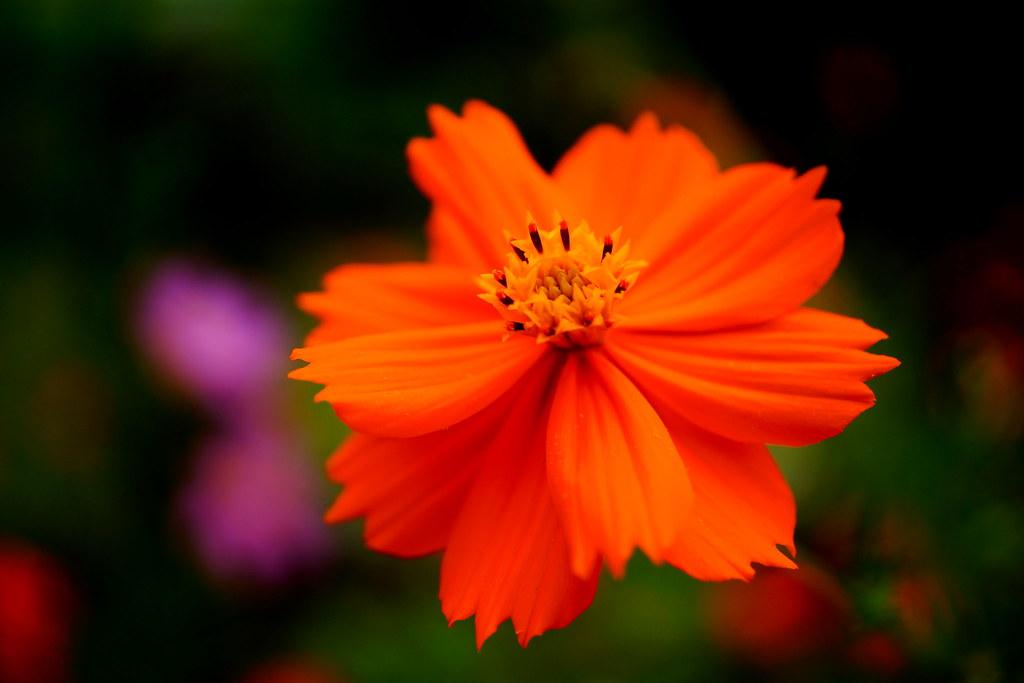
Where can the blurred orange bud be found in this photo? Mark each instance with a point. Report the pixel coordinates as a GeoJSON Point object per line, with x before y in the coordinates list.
{"type": "Point", "coordinates": [779, 617]}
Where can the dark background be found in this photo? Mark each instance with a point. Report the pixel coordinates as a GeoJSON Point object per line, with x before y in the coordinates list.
{"type": "Point", "coordinates": [268, 138]}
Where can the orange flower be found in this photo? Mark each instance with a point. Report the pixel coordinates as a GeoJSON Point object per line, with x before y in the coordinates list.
{"type": "Point", "coordinates": [608, 384]}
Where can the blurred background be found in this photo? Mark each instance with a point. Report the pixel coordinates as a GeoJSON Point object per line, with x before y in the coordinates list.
{"type": "Point", "coordinates": [173, 172]}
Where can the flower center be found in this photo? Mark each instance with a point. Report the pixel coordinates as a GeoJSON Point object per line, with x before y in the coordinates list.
{"type": "Point", "coordinates": [561, 285]}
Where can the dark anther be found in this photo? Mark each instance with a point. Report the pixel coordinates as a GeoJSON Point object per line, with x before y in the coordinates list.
{"type": "Point", "coordinates": [622, 287]}
{"type": "Point", "coordinates": [563, 230]}
{"type": "Point", "coordinates": [505, 299]}
{"type": "Point", "coordinates": [520, 253]}
{"type": "Point", "coordinates": [535, 238]}
{"type": "Point", "coordinates": [514, 326]}
{"type": "Point", "coordinates": [499, 277]}
{"type": "Point", "coordinates": [607, 246]}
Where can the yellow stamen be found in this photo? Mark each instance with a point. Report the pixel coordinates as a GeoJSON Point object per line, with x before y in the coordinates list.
{"type": "Point", "coordinates": [561, 285]}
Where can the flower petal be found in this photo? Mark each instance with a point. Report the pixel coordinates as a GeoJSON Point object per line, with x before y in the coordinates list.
{"type": "Point", "coordinates": [627, 179]}
{"type": "Point", "coordinates": [482, 181]}
{"type": "Point", "coordinates": [793, 381]}
{"type": "Point", "coordinates": [757, 245]}
{"type": "Point", "coordinates": [410, 490]}
{"type": "Point", "coordinates": [404, 384]}
{"type": "Point", "coordinates": [507, 556]}
{"type": "Point", "coordinates": [616, 476]}
{"type": "Point", "coordinates": [451, 241]}
{"type": "Point", "coordinates": [742, 510]}
{"type": "Point", "coordinates": [363, 299]}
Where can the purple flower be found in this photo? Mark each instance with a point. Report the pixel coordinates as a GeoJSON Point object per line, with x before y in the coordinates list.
{"type": "Point", "coordinates": [252, 508]}
{"type": "Point", "coordinates": [212, 335]}
{"type": "Point", "coordinates": [251, 502]}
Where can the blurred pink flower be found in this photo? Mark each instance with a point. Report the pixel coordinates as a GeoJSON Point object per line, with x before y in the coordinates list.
{"type": "Point", "coordinates": [36, 605]}
{"type": "Point", "coordinates": [251, 502]}
{"type": "Point", "coordinates": [211, 334]}
{"type": "Point", "coordinates": [251, 508]}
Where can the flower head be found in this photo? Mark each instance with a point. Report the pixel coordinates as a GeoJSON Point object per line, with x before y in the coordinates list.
{"type": "Point", "coordinates": [561, 285]}
{"type": "Point", "coordinates": [642, 335]}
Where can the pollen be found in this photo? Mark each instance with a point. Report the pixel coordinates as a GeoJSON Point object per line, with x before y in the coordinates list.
{"type": "Point", "coordinates": [561, 285]}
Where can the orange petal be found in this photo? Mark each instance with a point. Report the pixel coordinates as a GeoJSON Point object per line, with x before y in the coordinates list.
{"type": "Point", "coordinates": [507, 555]}
{"type": "Point", "coordinates": [404, 384]}
{"type": "Point", "coordinates": [409, 490]}
{"type": "Point", "coordinates": [794, 381]}
{"type": "Point", "coordinates": [742, 507]}
{"type": "Point", "coordinates": [628, 179]}
{"type": "Point", "coordinates": [757, 245]}
{"type": "Point", "coordinates": [482, 181]}
{"type": "Point", "coordinates": [363, 299]}
{"type": "Point", "coordinates": [450, 241]}
{"type": "Point", "coordinates": [617, 478]}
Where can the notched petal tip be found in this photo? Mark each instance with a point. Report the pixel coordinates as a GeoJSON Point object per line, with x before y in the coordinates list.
{"type": "Point", "coordinates": [302, 374]}
{"type": "Point", "coordinates": [439, 115]}
{"type": "Point", "coordinates": [617, 566]}
{"type": "Point", "coordinates": [646, 121]}
{"type": "Point", "coordinates": [884, 364]}
{"type": "Point", "coordinates": [482, 631]}
{"type": "Point", "coordinates": [815, 177]}
{"type": "Point", "coordinates": [830, 207]}
{"type": "Point", "coordinates": [525, 636]}
{"type": "Point", "coordinates": [751, 571]}
{"type": "Point", "coordinates": [335, 514]}
{"type": "Point", "coordinates": [866, 335]}
{"type": "Point", "coordinates": [416, 147]}
{"type": "Point", "coordinates": [781, 561]}
{"type": "Point", "coordinates": [482, 638]}
{"type": "Point", "coordinates": [477, 107]}
{"type": "Point", "coordinates": [307, 300]}
{"type": "Point", "coordinates": [787, 550]}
